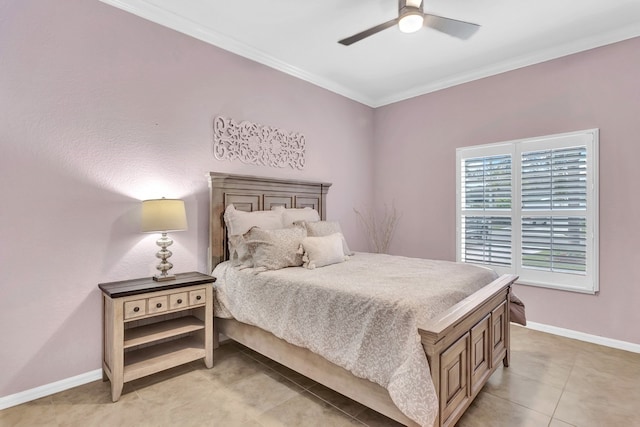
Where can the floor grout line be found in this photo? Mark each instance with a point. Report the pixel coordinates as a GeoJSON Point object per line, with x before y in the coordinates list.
{"type": "Point", "coordinates": [86, 405]}
{"type": "Point", "coordinates": [564, 387]}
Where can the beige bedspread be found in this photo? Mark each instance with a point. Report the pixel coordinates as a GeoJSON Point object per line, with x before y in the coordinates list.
{"type": "Point", "coordinates": [362, 315]}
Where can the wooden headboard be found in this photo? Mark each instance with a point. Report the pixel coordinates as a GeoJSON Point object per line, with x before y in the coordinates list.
{"type": "Point", "coordinates": [252, 193]}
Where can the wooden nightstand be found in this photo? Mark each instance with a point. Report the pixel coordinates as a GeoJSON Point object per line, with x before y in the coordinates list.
{"type": "Point", "coordinates": [151, 326]}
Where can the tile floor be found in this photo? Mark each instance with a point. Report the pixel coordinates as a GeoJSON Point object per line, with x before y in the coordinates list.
{"type": "Point", "coordinates": [552, 381]}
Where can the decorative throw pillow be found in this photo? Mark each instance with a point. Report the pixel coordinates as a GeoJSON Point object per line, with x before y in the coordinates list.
{"type": "Point", "coordinates": [275, 249]}
{"type": "Point", "coordinates": [323, 250]}
{"type": "Point", "coordinates": [292, 215]}
{"type": "Point", "coordinates": [240, 222]}
{"type": "Point", "coordinates": [239, 253]}
{"type": "Point", "coordinates": [325, 228]}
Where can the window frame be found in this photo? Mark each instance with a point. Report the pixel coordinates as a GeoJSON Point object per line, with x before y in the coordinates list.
{"type": "Point", "coordinates": [583, 283]}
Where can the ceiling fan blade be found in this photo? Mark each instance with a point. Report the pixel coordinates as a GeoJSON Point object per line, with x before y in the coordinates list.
{"type": "Point", "coordinates": [453, 27]}
{"type": "Point", "coordinates": [366, 33]}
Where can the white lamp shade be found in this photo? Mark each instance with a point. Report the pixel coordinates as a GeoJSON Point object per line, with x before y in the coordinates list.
{"type": "Point", "coordinates": [163, 215]}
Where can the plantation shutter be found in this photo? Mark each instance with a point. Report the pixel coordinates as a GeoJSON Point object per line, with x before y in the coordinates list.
{"type": "Point", "coordinates": [554, 183]}
{"type": "Point", "coordinates": [530, 207]}
{"type": "Point", "coordinates": [486, 195]}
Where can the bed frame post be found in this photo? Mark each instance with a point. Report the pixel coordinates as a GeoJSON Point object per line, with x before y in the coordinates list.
{"type": "Point", "coordinates": [434, 368]}
{"type": "Point", "coordinates": [507, 335]}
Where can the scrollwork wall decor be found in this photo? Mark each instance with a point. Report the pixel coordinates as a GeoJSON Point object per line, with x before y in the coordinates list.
{"type": "Point", "coordinates": [257, 144]}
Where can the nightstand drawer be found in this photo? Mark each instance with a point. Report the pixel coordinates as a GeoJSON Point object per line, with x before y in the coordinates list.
{"type": "Point", "coordinates": [177, 301]}
{"type": "Point", "coordinates": [158, 304]}
{"type": "Point", "coordinates": [197, 297]}
{"type": "Point", "coordinates": [135, 308]}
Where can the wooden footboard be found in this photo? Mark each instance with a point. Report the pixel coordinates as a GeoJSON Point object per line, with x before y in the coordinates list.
{"type": "Point", "coordinates": [463, 346]}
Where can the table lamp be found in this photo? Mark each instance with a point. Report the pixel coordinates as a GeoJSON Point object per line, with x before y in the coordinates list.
{"type": "Point", "coordinates": [163, 215]}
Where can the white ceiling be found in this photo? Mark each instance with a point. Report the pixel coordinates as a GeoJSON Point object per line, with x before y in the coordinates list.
{"type": "Point", "coordinates": [300, 38]}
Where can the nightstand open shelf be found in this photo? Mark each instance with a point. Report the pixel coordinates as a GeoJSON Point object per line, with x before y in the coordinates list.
{"type": "Point", "coordinates": [161, 330]}
{"type": "Point", "coordinates": [152, 326]}
{"type": "Point", "coordinates": [149, 360]}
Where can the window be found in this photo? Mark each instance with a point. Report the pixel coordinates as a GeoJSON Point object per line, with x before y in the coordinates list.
{"type": "Point", "coordinates": [529, 207]}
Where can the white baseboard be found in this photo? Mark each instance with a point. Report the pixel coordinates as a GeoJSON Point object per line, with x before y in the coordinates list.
{"type": "Point", "coordinates": [594, 339]}
{"type": "Point", "coordinates": [48, 389]}
{"type": "Point", "coordinates": [58, 386]}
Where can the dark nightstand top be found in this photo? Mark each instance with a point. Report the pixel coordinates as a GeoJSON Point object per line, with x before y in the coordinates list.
{"type": "Point", "coordinates": [147, 284]}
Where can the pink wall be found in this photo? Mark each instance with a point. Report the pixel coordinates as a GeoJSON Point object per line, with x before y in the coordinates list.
{"type": "Point", "coordinates": [101, 109]}
{"type": "Point", "coordinates": [415, 142]}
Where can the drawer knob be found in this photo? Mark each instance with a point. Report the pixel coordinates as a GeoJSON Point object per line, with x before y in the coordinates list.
{"type": "Point", "coordinates": [136, 309]}
{"type": "Point", "coordinates": [179, 300]}
{"type": "Point", "coordinates": [198, 298]}
{"type": "Point", "coordinates": [158, 305]}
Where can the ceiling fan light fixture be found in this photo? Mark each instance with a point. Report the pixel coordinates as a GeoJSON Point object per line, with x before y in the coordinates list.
{"type": "Point", "coordinates": [411, 22]}
{"type": "Point", "coordinates": [411, 18]}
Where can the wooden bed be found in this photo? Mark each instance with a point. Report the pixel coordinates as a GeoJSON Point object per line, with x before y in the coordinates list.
{"type": "Point", "coordinates": [464, 345]}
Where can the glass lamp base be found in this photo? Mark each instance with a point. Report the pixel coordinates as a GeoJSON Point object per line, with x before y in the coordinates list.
{"type": "Point", "coordinates": [164, 254]}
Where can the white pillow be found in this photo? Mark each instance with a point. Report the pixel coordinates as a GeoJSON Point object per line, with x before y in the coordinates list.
{"type": "Point", "coordinates": [323, 250]}
{"type": "Point", "coordinates": [239, 222]}
{"type": "Point", "coordinates": [325, 228]}
{"type": "Point", "coordinates": [292, 215]}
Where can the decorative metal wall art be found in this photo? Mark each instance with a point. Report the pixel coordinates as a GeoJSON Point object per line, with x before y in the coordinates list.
{"type": "Point", "coordinates": [257, 144]}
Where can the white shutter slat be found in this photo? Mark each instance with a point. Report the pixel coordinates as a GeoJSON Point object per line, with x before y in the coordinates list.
{"type": "Point", "coordinates": [486, 240]}
{"type": "Point", "coordinates": [556, 244]}
{"type": "Point", "coordinates": [487, 183]}
{"type": "Point", "coordinates": [554, 179]}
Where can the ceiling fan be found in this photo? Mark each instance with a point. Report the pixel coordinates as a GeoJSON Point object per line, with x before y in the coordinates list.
{"type": "Point", "coordinates": [411, 17]}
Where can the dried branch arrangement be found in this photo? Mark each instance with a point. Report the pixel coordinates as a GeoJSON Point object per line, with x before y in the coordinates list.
{"type": "Point", "coordinates": [380, 232]}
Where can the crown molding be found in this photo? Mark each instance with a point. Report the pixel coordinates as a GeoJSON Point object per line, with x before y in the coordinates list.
{"type": "Point", "coordinates": [178, 23]}
{"type": "Point", "coordinates": [183, 25]}
{"type": "Point", "coordinates": [534, 58]}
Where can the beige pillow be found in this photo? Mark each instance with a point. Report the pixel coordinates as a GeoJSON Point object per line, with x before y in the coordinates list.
{"type": "Point", "coordinates": [239, 253]}
{"type": "Point", "coordinates": [275, 249]}
{"type": "Point", "coordinates": [325, 228]}
{"type": "Point", "coordinates": [323, 250]}
{"type": "Point", "coordinates": [240, 222]}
